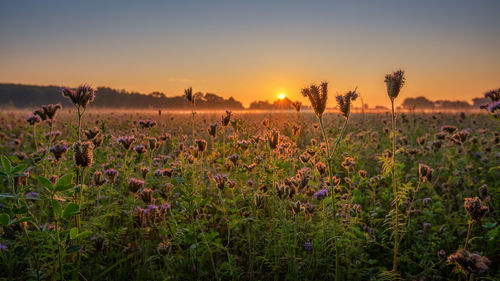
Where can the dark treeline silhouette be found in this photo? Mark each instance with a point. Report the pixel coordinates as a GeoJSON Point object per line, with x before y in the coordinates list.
{"type": "Point", "coordinates": [22, 96]}
{"type": "Point", "coordinates": [29, 96]}
{"type": "Point", "coordinates": [422, 103]}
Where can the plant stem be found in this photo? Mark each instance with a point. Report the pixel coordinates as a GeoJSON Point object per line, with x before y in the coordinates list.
{"type": "Point", "coordinates": [34, 138]}
{"type": "Point", "coordinates": [332, 191]}
{"type": "Point", "coordinates": [79, 123]}
{"type": "Point", "coordinates": [468, 235]}
{"type": "Point", "coordinates": [394, 190]}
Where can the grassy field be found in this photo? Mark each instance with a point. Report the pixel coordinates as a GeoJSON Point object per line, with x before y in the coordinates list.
{"type": "Point", "coordinates": [165, 196]}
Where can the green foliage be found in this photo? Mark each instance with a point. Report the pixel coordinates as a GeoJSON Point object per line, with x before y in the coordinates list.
{"type": "Point", "coordinates": [60, 222]}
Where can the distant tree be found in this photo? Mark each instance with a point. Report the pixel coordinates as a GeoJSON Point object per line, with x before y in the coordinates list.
{"type": "Point", "coordinates": [418, 102]}
{"type": "Point", "coordinates": [157, 95]}
{"type": "Point", "coordinates": [477, 102]}
{"type": "Point", "coordinates": [447, 104]}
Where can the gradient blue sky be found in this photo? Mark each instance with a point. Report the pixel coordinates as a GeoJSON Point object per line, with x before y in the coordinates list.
{"type": "Point", "coordinates": [254, 49]}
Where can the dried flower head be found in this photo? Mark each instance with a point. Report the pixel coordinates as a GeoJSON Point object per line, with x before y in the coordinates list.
{"type": "Point", "coordinates": [201, 145]}
{"type": "Point", "coordinates": [50, 111]}
{"type": "Point", "coordinates": [394, 82]}
{"type": "Point", "coordinates": [98, 179]}
{"type": "Point", "coordinates": [318, 96]}
{"type": "Point", "coordinates": [140, 149]}
{"type": "Point", "coordinates": [475, 208]}
{"type": "Point", "coordinates": [424, 172]}
{"type": "Point", "coordinates": [33, 120]}
{"type": "Point", "coordinates": [344, 102]}
{"type": "Point", "coordinates": [92, 133]}
{"type": "Point", "coordinates": [83, 153]}
{"type": "Point", "coordinates": [188, 93]}
{"type": "Point", "coordinates": [111, 174]}
{"type": "Point", "coordinates": [469, 263]}
{"type": "Point", "coordinates": [83, 95]}
{"type": "Point", "coordinates": [212, 129]}
{"type": "Point", "coordinates": [226, 119]}
{"type": "Point", "coordinates": [126, 141]}
{"type": "Point", "coordinates": [273, 138]}
{"type": "Point", "coordinates": [297, 105]}
{"type": "Point", "coordinates": [135, 185]}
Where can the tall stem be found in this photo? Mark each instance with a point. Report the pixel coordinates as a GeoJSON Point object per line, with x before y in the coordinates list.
{"type": "Point", "coordinates": [394, 190]}
{"type": "Point", "coordinates": [468, 235]}
{"type": "Point", "coordinates": [50, 136]}
{"type": "Point", "coordinates": [79, 123]}
{"type": "Point", "coordinates": [332, 192]}
{"type": "Point", "coordinates": [34, 138]}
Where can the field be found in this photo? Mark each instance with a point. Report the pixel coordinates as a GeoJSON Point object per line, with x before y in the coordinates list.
{"type": "Point", "coordinates": [170, 196]}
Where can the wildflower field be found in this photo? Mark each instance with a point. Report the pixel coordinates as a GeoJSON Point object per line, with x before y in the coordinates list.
{"type": "Point", "coordinates": [299, 195]}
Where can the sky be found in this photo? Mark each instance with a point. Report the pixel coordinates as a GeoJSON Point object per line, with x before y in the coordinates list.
{"type": "Point", "coordinates": [255, 50]}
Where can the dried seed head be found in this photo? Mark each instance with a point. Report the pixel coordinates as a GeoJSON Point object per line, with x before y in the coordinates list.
{"type": "Point", "coordinates": [475, 208]}
{"type": "Point", "coordinates": [140, 149]}
{"type": "Point", "coordinates": [318, 96]}
{"type": "Point", "coordinates": [212, 130]}
{"type": "Point", "coordinates": [146, 195]}
{"type": "Point", "coordinates": [83, 153]}
{"type": "Point", "coordinates": [50, 111]}
{"type": "Point", "coordinates": [469, 263]}
{"type": "Point", "coordinates": [201, 145]}
{"type": "Point", "coordinates": [297, 105]}
{"type": "Point", "coordinates": [33, 120]}
{"type": "Point", "coordinates": [394, 82]}
{"type": "Point", "coordinates": [424, 172]}
{"type": "Point", "coordinates": [111, 174]}
{"type": "Point", "coordinates": [273, 137]}
{"type": "Point", "coordinates": [135, 185]}
{"type": "Point", "coordinates": [98, 179]}
{"type": "Point", "coordinates": [344, 102]}
{"type": "Point", "coordinates": [126, 141]}
{"type": "Point", "coordinates": [226, 119]}
{"type": "Point", "coordinates": [92, 133]}
{"type": "Point", "coordinates": [188, 93]}
{"type": "Point", "coordinates": [321, 167]}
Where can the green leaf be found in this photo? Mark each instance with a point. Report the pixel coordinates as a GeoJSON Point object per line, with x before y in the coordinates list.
{"type": "Point", "coordinates": [56, 207]}
{"type": "Point", "coordinates": [46, 183]}
{"type": "Point", "coordinates": [7, 166]}
{"type": "Point", "coordinates": [64, 183]}
{"type": "Point", "coordinates": [71, 210]}
{"type": "Point", "coordinates": [19, 168]}
{"type": "Point", "coordinates": [73, 232]}
{"type": "Point", "coordinates": [83, 234]}
{"type": "Point", "coordinates": [7, 195]}
{"type": "Point", "coordinates": [4, 219]}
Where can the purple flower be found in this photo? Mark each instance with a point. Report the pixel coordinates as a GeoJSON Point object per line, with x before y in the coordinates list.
{"type": "Point", "coordinates": [308, 246]}
{"type": "Point", "coordinates": [320, 194]}
{"type": "Point", "coordinates": [31, 194]}
{"type": "Point", "coordinates": [3, 247]}
{"type": "Point", "coordinates": [165, 206]}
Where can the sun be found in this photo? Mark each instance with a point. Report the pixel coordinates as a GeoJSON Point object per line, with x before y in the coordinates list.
{"type": "Point", "coordinates": [281, 96]}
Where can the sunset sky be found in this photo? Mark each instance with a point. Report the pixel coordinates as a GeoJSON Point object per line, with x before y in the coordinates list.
{"type": "Point", "coordinates": [254, 50]}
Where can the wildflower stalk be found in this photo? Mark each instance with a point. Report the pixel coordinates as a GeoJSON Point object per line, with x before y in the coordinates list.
{"type": "Point", "coordinates": [34, 138]}
{"type": "Point", "coordinates": [35, 256]}
{"type": "Point", "coordinates": [468, 234]}
{"type": "Point", "coordinates": [332, 191]}
{"type": "Point", "coordinates": [51, 127]}
{"type": "Point", "coordinates": [59, 250]}
{"type": "Point", "coordinates": [394, 190]}
{"type": "Point", "coordinates": [394, 82]}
